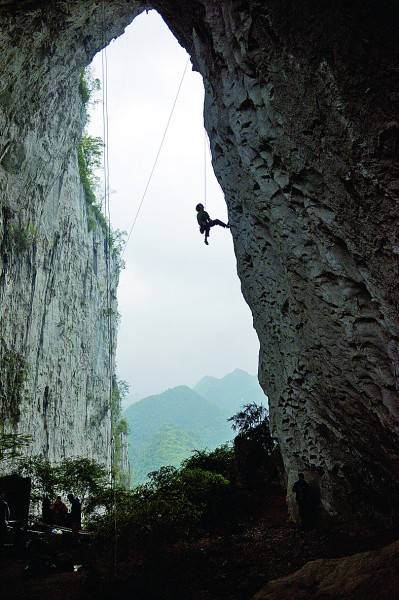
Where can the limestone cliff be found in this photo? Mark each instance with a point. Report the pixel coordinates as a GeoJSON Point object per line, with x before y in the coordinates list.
{"type": "Point", "coordinates": [301, 111]}
{"type": "Point", "coordinates": [54, 350]}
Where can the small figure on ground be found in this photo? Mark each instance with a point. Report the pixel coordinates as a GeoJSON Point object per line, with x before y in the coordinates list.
{"type": "Point", "coordinates": [4, 517]}
{"type": "Point", "coordinates": [47, 513]}
{"type": "Point", "coordinates": [59, 511]}
{"type": "Point", "coordinates": [205, 222]}
{"type": "Point", "coordinates": [304, 500]}
{"type": "Point", "coordinates": [75, 516]}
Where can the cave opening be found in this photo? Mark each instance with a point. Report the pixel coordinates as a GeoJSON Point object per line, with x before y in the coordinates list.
{"type": "Point", "coordinates": [182, 311]}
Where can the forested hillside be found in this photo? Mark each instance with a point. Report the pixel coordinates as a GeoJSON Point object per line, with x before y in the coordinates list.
{"type": "Point", "coordinates": [165, 428]}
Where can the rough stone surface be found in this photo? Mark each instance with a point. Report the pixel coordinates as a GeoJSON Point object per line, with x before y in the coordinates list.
{"type": "Point", "coordinates": [364, 576]}
{"type": "Point", "coordinates": [301, 110]}
{"type": "Point", "coordinates": [54, 354]}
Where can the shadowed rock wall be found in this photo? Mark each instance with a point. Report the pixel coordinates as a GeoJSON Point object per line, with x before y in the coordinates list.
{"type": "Point", "coordinates": [301, 110]}
{"type": "Point", "coordinates": [54, 338]}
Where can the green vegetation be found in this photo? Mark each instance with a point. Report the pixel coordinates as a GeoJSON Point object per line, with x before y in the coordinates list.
{"type": "Point", "coordinates": [168, 446]}
{"type": "Point", "coordinates": [81, 476]}
{"type": "Point", "coordinates": [119, 425]}
{"type": "Point", "coordinates": [165, 428]}
{"type": "Point", "coordinates": [173, 504]}
{"type": "Point", "coordinates": [11, 445]}
{"type": "Point", "coordinates": [88, 85]}
{"type": "Point", "coordinates": [22, 237]}
{"type": "Point", "coordinates": [117, 240]}
{"type": "Point", "coordinates": [229, 393]}
{"type": "Point", "coordinates": [14, 372]}
{"type": "Point", "coordinates": [90, 151]}
{"type": "Point", "coordinates": [220, 460]}
{"type": "Point", "coordinates": [209, 491]}
{"type": "Point", "coordinates": [256, 451]}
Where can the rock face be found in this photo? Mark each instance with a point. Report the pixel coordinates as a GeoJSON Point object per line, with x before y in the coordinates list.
{"type": "Point", "coordinates": [301, 110]}
{"type": "Point", "coordinates": [55, 363]}
{"type": "Point", "coordinates": [362, 576]}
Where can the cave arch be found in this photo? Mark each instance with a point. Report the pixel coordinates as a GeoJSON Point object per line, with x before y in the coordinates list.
{"type": "Point", "coordinates": [305, 147]}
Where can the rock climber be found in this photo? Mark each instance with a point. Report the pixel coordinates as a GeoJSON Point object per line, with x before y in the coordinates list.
{"type": "Point", "coordinates": [205, 222]}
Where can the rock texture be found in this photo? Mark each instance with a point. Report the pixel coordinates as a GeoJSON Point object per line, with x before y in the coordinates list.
{"type": "Point", "coordinates": [301, 110]}
{"type": "Point", "coordinates": [54, 337]}
{"type": "Point", "coordinates": [362, 576]}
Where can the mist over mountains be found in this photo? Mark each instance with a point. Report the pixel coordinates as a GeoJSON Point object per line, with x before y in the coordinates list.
{"type": "Point", "coordinates": [165, 428]}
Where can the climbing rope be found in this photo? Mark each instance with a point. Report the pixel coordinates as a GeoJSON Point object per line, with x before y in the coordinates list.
{"type": "Point", "coordinates": [107, 212]}
{"type": "Point", "coordinates": [156, 157]}
{"type": "Point", "coordinates": [207, 151]}
{"type": "Point", "coordinates": [205, 173]}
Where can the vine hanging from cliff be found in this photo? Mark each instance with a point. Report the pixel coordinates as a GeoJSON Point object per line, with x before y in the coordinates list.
{"type": "Point", "coordinates": [13, 375]}
{"type": "Point", "coordinates": [90, 152]}
{"type": "Point", "coordinates": [120, 430]}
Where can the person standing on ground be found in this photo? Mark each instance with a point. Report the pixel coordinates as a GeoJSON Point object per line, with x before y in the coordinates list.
{"type": "Point", "coordinates": [205, 222]}
{"type": "Point", "coordinates": [59, 511]}
{"type": "Point", "coordinates": [47, 513]}
{"type": "Point", "coordinates": [303, 495]}
{"type": "Point", "coordinates": [75, 516]}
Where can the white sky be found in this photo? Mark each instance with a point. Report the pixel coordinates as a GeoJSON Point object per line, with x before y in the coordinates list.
{"type": "Point", "coordinates": [183, 315]}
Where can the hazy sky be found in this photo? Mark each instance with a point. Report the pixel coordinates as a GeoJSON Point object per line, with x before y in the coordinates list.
{"type": "Point", "coordinates": [183, 315]}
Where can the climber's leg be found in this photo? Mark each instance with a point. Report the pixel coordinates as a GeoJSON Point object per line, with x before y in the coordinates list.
{"type": "Point", "coordinates": [207, 229]}
{"type": "Point", "coordinates": [217, 222]}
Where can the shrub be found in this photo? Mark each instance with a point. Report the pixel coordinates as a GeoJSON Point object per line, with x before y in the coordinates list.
{"type": "Point", "coordinates": [174, 504]}
{"type": "Point", "coordinates": [14, 370]}
{"type": "Point", "coordinates": [220, 460]}
{"type": "Point", "coordinates": [83, 477]}
{"type": "Point", "coordinates": [11, 445]}
{"type": "Point", "coordinates": [43, 475]}
{"type": "Point", "coordinates": [23, 236]}
{"type": "Point", "coordinates": [254, 447]}
{"type": "Point", "coordinates": [87, 85]}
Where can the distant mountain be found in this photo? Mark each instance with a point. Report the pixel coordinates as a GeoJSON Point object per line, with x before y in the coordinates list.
{"type": "Point", "coordinates": [231, 392]}
{"type": "Point", "coordinates": [165, 428]}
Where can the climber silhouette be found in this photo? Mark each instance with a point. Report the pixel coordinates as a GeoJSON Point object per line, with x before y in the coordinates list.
{"type": "Point", "coordinates": [205, 222]}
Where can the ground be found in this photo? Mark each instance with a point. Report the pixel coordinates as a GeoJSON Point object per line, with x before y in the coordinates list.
{"type": "Point", "coordinates": [226, 565]}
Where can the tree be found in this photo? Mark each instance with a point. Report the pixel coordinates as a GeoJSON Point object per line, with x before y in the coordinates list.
{"type": "Point", "coordinates": [43, 474]}
{"type": "Point", "coordinates": [254, 446]}
{"type": "Point", "coordinates": [82, 477]}
{"type": "Point", "coordinates": [251, 416]}
{"type": "Point", "coordinates": [221, 460]}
